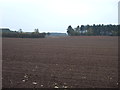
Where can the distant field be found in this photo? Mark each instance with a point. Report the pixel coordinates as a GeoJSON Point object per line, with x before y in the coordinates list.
{"type": "Point", "coordinates": [64, 62]}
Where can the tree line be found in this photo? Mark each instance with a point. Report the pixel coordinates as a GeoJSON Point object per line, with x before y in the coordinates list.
{"type": "Point", "coordinates": [21, 34]}
{"type": "Point", "coordinates": [94, 30]}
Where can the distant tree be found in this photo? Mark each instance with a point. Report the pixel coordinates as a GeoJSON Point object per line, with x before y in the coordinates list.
{"type": "Point", "coordinates": [20, 34]}
{"type": "Point", "coordinates": [118, 30]}
{"type": "Point", "coordinates": [77, 29]}
{"type": "Point", "coordinates": [36, 30]}
{"type": "Point", "coordinates": [70, 30]}
{"type": "Point", "coordinates": [90, 31]}
{"type": "Point", "coordinates": [82, 29]}
{"type": "Point", "coordinates": [95, 30]}
{"type": "Point", "coordinates": [48, 33]}
{"type": "Point", "coordinates": [20, 30]}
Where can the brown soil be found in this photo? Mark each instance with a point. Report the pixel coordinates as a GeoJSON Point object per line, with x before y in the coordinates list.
{"type": "Point", "coordinates": [64, 62]}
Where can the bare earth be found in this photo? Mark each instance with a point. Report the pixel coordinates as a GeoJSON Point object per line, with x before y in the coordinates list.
{"type": "Point", "coordinates": [60, 62]}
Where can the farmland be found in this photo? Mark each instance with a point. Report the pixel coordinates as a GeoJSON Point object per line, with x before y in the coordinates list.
{"type": "Point", "coordinates": [60, 62]}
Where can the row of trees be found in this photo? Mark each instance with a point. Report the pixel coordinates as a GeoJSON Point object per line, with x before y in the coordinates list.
{"type": "Point", "coordinates": [21, 34]}
{"type": "Point", "coordinates": [94, 30]}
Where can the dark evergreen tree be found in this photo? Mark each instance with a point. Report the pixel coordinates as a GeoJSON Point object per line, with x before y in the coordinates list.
{"type": "Point", "coordinates": [94, 30]}
{"type": "Point", "coordinates": [70, 31]}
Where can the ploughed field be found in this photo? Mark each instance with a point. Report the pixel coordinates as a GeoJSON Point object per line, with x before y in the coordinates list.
{"type": "Point", "coordinates": [60, 62]}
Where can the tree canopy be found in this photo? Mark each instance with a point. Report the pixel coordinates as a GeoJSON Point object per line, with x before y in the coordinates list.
{"type": "Point", "coordinates": [94, 30]}
{"type": "Point", "coordinates": [21, 34]}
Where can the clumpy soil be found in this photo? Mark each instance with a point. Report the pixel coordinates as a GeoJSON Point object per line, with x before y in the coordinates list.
{"type": "Point", "coordinates": [60, 62]}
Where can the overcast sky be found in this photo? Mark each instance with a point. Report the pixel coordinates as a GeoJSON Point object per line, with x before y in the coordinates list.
{"type": "Point", "coordinates": [56, 15]}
